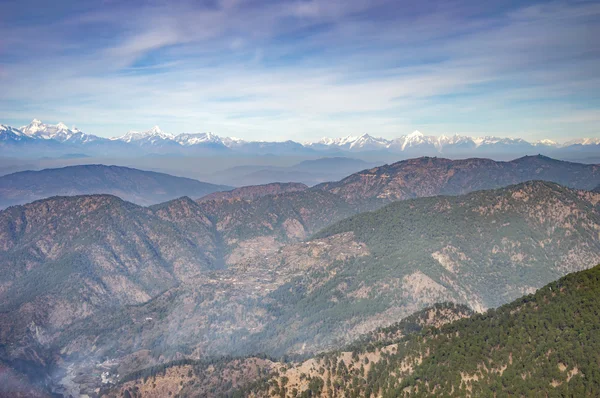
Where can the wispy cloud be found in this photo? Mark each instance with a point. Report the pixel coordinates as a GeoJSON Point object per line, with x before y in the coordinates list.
{"type": "Point", "coordinates": [304, 69]}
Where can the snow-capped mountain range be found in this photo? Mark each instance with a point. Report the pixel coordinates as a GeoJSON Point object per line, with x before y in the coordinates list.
{"type": "Point", "coordinates": [60, 137]}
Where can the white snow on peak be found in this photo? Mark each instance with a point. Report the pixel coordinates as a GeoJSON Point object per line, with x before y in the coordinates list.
{"type": "Point", "coordinates": [364, 141]}
{"type": "Point", "coordinates": [153, 135]}
{"type": "Point", "coordinates": [155, 130]}
{"type": "Point", "coordinates": [415, 141]}
{"type": "Point", "coordinates": [33, 127]}
{"type": "Point", "coordinates": [584, 141]}
{"type": "Point", "coordinates": [415, 138]}
{"type": "Point", "coordinates": [232, 141]}
{"type": "Point", "coordinates": [38, 129]}
{"type": "Point", "coordinates": [546, 143]}
{"type": "Point", "coordinates": [187, 139]}
{"type": "Point", "coordinates": [12, 130]}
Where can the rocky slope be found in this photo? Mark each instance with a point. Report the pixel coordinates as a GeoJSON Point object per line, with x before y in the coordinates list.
{"type": "Point", "coordinates": [290, 216]}
{"type": "Point", "coordinates": [137, 186]}
{"type": "Point", "coordinates": [66, 259]}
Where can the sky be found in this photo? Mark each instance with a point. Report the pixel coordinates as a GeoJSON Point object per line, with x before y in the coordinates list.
{"type": "Point", "coordinates": [302, 70]}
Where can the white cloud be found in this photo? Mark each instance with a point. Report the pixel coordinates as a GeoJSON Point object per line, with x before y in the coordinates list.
{"type": "Point", "coordinates": [295, 69]}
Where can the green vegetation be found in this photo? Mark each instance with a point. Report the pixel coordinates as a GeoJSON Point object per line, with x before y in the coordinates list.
{"type": "Point", "coordinates": [497, 242]}
{"type": "Point", "coordinates": [545, 344]}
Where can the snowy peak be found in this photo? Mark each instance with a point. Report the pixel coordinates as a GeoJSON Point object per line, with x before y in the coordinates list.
{"type": "Point", "coordinates": [186, 139]}
{"type": "Point", "coordinates": [33, 127]}
{"type": "Point", "coordinates": [232, 142]}
{"type": "Point", "coordinates": [8, 133]}
{"type": "Point", "coordinates": [155, 131]}
{"type": "Point", "coordinates": [549, 143]}
{"type": "Point", "coordinates": [363, 142]}
{"type": "Point", "coordinates": [154, 135]}
{"type": "Point", "coordinates": [413, 139]}
{"type": "Point", "coordinates": [414, 144]}
{"type": "Point", "coordinates": [59, 132]}
{"type": "Point", "coordinates": [584, 141]}
{"type": "Point", "coordinates": [366, 141]}
{"type": "Point", "coordinates": [337, 141]}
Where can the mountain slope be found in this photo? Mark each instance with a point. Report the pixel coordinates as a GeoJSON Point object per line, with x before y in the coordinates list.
{"type": "Point", "coordinates": [138, 186]}
{"type": "Point", "coordinates": [65, 260]}
{"type": "Point", "coordinates": [546, 344]}
{"type": "Point", "coordinates": [231, 376]}
{"type": "Point", "coordinates": [437, 176]}
{"type": "Point", "coordinates": [490, 242]}
{"type": "Point", "coordinates": [132, 252]}
{"type": "Point", "coordinates": [232, 277]}
{"type": "Point", "coordinates": [252, 192]}
{"type": "Point", "coordinates": [288, 216]}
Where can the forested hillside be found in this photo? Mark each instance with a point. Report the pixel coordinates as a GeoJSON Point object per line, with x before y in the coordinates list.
{"type": "Point", "coordinates": [236, 377]}
{"type": "Point", "coordinates": [544, 344]}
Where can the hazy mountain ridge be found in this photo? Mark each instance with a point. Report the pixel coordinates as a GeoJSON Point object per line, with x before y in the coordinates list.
{"type": "Point", "coordinates": [428, 176]}
{"type": "Point", "coordinates": [309, 172]}
{"type": "Point", "coordinates": [138, 186]}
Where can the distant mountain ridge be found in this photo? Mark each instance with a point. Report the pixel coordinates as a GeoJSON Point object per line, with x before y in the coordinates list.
{"type": "Point", "coordinates": [430, 176]}
{"type": "Point", "coordinates": [138, 186]}
{"type": "Point", "coordinates": [309, 172]}
{"type": "Point", "coordinates": [410, 145]}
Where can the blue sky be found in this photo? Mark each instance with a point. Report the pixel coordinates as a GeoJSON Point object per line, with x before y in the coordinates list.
{"type": "Point", "coordinates": [274, 70]}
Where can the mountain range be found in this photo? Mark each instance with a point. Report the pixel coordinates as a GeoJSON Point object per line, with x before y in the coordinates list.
{"type": "Point", "coordinates": [138, 186]}
{"type": "Point", "coordinates": [310, 172]}
{"type": "Point", "coordinates": [59, 139]}
{"type": "Point", "coordinates": [95, 289]}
